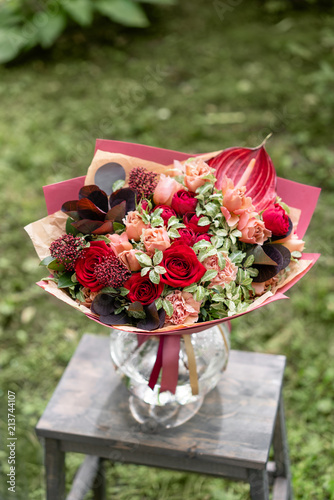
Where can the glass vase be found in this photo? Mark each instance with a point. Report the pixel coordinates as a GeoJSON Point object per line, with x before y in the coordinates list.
{"type": "Point", "coordinates": [134, 361]}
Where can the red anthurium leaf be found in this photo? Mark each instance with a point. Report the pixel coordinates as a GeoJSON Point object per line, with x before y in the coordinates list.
{"type": "Point", "coordinates": [96, 195]}
{"type": "Point", "coordinates": [71, 209]}
{"type": "Point", "coordinates": [117, 212]}
{"type": "Point", "coordinates": [107, 227]}
{"type": "Point", "coordinates": [88, 210]}
{"type": "Point", "coordinates": [261, 185]}
{"type": "Point", "coordinates": [86, 226]}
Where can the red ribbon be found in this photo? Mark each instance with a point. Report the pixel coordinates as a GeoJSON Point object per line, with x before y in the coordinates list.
{"type": "Point", "coordinates": [157, 365]}
{"type": "Point", "coordinates": [170, 363]}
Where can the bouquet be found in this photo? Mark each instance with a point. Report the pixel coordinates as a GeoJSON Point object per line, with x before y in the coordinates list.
{"type": "Point", "coordinates": [177, 244]}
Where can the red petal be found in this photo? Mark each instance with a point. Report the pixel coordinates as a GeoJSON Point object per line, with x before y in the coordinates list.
{"type": "Point", "coordinates": [261, 185]}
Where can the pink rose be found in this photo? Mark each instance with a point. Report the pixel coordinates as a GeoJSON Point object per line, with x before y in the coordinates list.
{"type": "Point", "coordinates": [134, 225]}
{"type": "Point", "coordinates": [155, 238]}
{"type": "Point", "coordinates": [195, 171]}
{"type": "Point", "coordinates": [255, 232]}
{"type": "Point", "coordinates": [292, 243]}
{"type": "Point", "coordinates": [185, 308]}
{"type": "Point", "coordinates": [119, 242]}
{"type": "Point", "coordinates": [167, 213]}
{"type": "Point", "coordinates": [184, 201]}
{"type": "Point", "coordinates": [165, 190]}
{"type": "Point", "coordinates": [128, 257]}
{"type": "Point", "coordinates": [224, 276]}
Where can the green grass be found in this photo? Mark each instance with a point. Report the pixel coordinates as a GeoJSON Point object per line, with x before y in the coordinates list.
{"type": "Point", "coordinates": [195, 83]}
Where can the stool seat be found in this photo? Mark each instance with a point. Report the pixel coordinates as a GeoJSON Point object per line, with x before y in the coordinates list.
{"type": "Point", "coordinates": [230, 436]}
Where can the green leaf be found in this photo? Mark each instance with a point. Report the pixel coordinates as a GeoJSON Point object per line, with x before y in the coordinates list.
{"type": "Point", "coordinates": [157, 257]}
{"type": "Point", "coordinates": [56, 266]}
{"type": "Point", "coordinates": [237, 233]}
{"type": "Point", "coordinates": [144, 271]}
{"type": "Point", "coordinates": [209, 275]}
{"type": "Point", "coordinates": [201, 244]}
{"type": "Point", "coordinates": [168, 307]}
{"type": "Point", "coordinates": [11, 42]}
{"type": "Point", "coordinates": [160, 269]}
{"type": "Point", "coordinates": [117, 226]}
{"type": "Point", "coordinates": [221, 260]}
{"type": "Point", "coordinates": [118, 185]}
{"type": "Point", "coordinates": [49, 32]}
{"type": "Point", "coordinates": [143, 259]}
{"type": "Point", "coordinates": [80, 296]}
{"type": "Point", "coordinates": [157, 221]}
{"type": "Point", "coordinates": [172, 220]}
{"type": "Point", "coordinates": [108, 289]}
{"type": "Point", "coordinates": [154, 277]}
{"type": "Point", "coordinates": [237, 257]}
{"type": "Point", "coordinates": [69, 228]}
{"type": "Point", "coordinates": [81, 11]}
{"type": "Point", "coordinates": [296, 254]}
{"type": "Point", "coordinates": [173, 233]}
{"type": "Point", "coordinates": [124, 12]}
{"type": "Point", "coordinates": [123, 291]}
{"type": "Point", "coordinates": [204, 221]}
{"type": "Point", "coordinates": [199, 294]}
{"type": "Point", "coordinates": [47, 260]}
{"type": "Point", "coordinates": [191, 288]}
{"type": "Point", "coordinates": [158, 303]}
{"type": "Point", "coordinates": [65, 280]}
{"type": "Point", "coordinates": [249, 261]}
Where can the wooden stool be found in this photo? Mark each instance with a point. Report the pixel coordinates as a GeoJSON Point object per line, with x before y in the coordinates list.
{"type": "Point", "coordinates": [230, 436]}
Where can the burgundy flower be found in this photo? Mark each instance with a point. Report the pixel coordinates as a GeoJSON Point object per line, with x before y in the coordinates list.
{"type": "Point", "coordinates": [276, 220]}
{"type": "Point", "coordinates": [143, 181]}
{"type": "Point", "coordinates": [167, 213]}
{"type": "Point", "coordinates": [182, 266]}
{"type": "Point", "coordinates": [187, 237]}
{"type": "Point", "coordinates": [199, 237]}
{"type": "Point", "coordinates": [66, 250]}
{"type": "Point", "coordinates": [191, 221]}
{"type": "Point", "coordinates": [184, 201]}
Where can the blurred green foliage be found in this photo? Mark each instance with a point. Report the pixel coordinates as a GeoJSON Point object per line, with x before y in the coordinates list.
{"type": "Point", "coordinates": [24, 24]}
{"type": "Point", "coordinates": [195, 82]}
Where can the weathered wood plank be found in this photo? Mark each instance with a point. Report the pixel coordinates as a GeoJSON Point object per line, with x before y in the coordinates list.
{"type": "Point", "coordinates": [259, 485]}
{"type": "Point", "coordinates": [281, 489]}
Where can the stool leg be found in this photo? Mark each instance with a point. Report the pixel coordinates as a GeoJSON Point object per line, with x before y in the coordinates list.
{"type": "Point", "coordinates": [55, 470]}
{"type": "Point", "coordinates": [259, 484]}
{"type": "Point", "coordinates": [99, 486]}
{"type": "Point", "coordinates": [281, 450]}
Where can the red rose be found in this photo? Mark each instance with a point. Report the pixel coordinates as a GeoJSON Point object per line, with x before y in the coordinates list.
{"type": "Point", "coordinates": [184, 201]}
{"type": "Point", "coordinates": [142, 289]}
{"type": "Point", "coordinates": [191, 220]}
{"type": "Point", "coordinates": [182, 266]}
{"type": "Point", "coordinates": [199, 237]}
{"type": "Point", "coordinates": [187, 237]}
{"type": "Point", "coordinates": [276, 220]}
{"type": "Point", "coordinates": [167, 213]}
{"type": "Point", "coordinates": [89, 258]}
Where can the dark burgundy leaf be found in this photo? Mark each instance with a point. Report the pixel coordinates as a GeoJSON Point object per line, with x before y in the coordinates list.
{"type": "Point", "coordinates": [107, 227]}
{"type": "Point", "coordinates": [127, 194]}
{"type": "Point", "coordinates": [87, 210]}
{"type": "Point", "coordinates": [104, 303]}
{"type": "Point", "coordinates": [107, 174]}
{"type": "Point", "coordinates": [87, 226]}
{"type": "Point", "coordinates": [96, 195]}
{"type": "Point", "coordinates": [117, 212]}
{"type": "Point", "coordinates": [275, 238]}
{"type": "Point", "coordinates": [153, 320]}
{"type": "Point", "coordinates": [280, 254]}
{"type": "Point", "coordinates": [71, 209]}
{"type": "Point", "coordinates": [261, 186]}
{"type": "Point", "coordinates": [136, 307]}
{"type": "Point", "coordinates": [115, 319]}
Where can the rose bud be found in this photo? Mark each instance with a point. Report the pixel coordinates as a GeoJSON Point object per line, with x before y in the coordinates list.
{"type": "Point", "coordinates": [134, 225]}
{"type": "Point", "coordinates": [276, 220]}
{"type": "Point", "coordinates": [167, 213]}
{"type": "Point", "coordinates": [128, 257]}
{"type": "Point", "coordinates": [184, 201]}
{"type": "Point", "coordinates": [199, 237]}
{"type": "Point", "coordinates": [155, 238]}
{"type": "Point", "coordinates": [141, 289]}
{"type": "Point", "coordinates": [165, 190]}
{"type": "Point", "coordinates": [119, 242]}
{"type": "Point", "coordinates": [255, 232]}
{"type": "Point", "coordinates": [191, 220]}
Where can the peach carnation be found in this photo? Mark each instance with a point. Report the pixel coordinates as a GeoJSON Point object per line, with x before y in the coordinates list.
{"type": "Point", "coordinates": [185, 308]}
{"type": "Point", "coordinates": [195, 170]}
{"type": "Point", "coordinates": [224, 276]}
